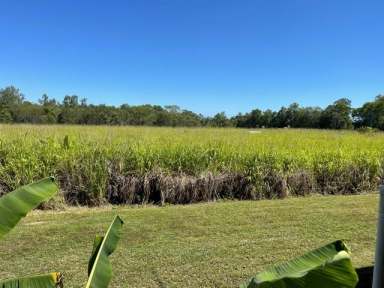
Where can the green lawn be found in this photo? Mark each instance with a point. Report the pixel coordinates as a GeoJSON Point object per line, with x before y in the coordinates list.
{"type": "Point", "coordinates": [203, 245]}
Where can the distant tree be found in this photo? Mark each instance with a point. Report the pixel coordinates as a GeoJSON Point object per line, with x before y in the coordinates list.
{"type": "Point", "coordinates": [164, 119]}
{"type": "Point", "coordinates": [172, 108]}
{"type": "Point", "coordinates": [44, 99]}
{"type": "Point", "coordinates": [255, 118]}
{"type": "Point", "coordinates": [71, 101]}
{"type": "Point", "coordinates": [83, 102]}
{"type": "Point", "coordinates": [11, 96]}
{"type": "Point", "coordinates": [302, 117]}
{"type": "Point", "coordinates": [250, 120]}
{"type": "Point", "coordinates": [309, 117]}
{"type": "Point", "coordinates": [220, 120]}
{"type": "Point", "coordinates": [268, 116]}
{"type": "Point", "coordinates": [292, 115]}
{"type": "Point", "coordinates": [371, 114]}
{"type": "Point", "coordinates": [239, 120]}
{"type": "Point", "coordinates": [189, 119]}
{"type": "Point", "coordinates": [5, 115]}
{"type": "Point", "coordinates": [70, 112]}
{"type": "Point", "coordinates": [280, 119]}
{"type": "Point", "coordinates": [338, 115]}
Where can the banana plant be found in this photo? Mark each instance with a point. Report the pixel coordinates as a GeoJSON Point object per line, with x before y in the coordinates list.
{"type": "Point", "coordinates": [39, 281]}
{"type": "Point", "coordinates": [99, 267]}
{"type": "Point", "coordinates": [13, 207]}
{"type": "Point", "coordinates": [329, 266]}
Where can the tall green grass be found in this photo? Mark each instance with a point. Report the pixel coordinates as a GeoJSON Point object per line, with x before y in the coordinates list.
{"type": "Point", "coordinates": [94, 162]}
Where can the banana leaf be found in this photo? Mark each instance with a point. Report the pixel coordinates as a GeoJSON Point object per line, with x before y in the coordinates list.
{"type": "Point", "coordinates": [51, 280]}
{"type": "Point", "coordinates": [329, 266]}
{"type": "Point", "coordinates": [99, 267]}
{"type": "Point", "coordinates": [96, 247]}
{"type": "Point", "coordinates": [15, 205]}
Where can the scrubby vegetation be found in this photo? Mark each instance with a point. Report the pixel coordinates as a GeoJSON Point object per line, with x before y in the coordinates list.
{"type": "Point", "coordinates": [184, 165]}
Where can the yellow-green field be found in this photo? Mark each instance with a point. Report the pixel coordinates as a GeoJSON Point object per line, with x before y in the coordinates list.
{"type": "Point", "coordinates": [96, 164]}
{"type": "Point", "coordinates": [201, 245]}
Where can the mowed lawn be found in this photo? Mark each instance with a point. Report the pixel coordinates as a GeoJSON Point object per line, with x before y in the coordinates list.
{"type": "Point", "coordinates": [203, 245]}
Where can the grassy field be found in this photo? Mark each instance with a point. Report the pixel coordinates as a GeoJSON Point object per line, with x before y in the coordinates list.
{"type": "Point", "coordinates": [202, 245]}
{"type": "Point", "coordinates": [181, 165]}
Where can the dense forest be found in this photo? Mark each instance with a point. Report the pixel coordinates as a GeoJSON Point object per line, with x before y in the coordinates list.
{"type": "Point", "coordinates": [14, 108]}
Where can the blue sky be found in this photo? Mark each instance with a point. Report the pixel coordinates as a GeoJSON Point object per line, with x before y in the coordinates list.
{"type": "Point", "coordinates": [204, 55]}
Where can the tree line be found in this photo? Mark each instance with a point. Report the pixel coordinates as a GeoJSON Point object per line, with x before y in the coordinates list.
{"type": "Point", "coordinates": [14, 108]}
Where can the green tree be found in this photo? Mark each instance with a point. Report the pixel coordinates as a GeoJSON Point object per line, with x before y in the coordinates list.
{"type": "Point", "coordinates": [337, 115]}
{"type": "Point", "coordinates": [220, 120]}
{"type": "Point", "coordinates": [5, 115]}
{"type": "Point", "coordinates": [371, 114]}
{"type": "Point", "coordinates": [11, 96]}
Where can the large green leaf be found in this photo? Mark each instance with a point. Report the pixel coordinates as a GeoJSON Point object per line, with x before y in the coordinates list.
{"type": "Point", "coordinates": [96, 247]}
{"type": "Point", "coordinates": [329, 266]}
{"type": "Point", "coordinates": [99, 268]}
{"type": "Point", "coordinates": [15, 205]}
{"type": "Point", "coordinates": [51, 280]}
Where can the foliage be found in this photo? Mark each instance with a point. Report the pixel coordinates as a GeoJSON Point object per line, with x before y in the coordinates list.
{"type": "Point", "coordinates": [11, 96]}
{"type": "Point", "coordinates": [51, 280]}
{"type": "Point", "coordinates": [219, 120]}
{"type": "Point", "coordinates": [337, 116]}
{"type": "Point", "coordinates": [371, 114]}
{"type": "Point", "coordinates": [16, 205]}
{"type": "Point", "coordinates": [99, 268]}
{"type": "Point", "coordinates": [96, 164]}
{"type": "Point", "coordinates": [73, 110]}
{"type": "Point", "coordinates": [13, 207]}
{"type": "Point", "coordinates": [328, 266]}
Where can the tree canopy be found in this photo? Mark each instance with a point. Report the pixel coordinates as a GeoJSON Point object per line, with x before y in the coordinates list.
{"type": "Point", "coordinates": [14, 108]}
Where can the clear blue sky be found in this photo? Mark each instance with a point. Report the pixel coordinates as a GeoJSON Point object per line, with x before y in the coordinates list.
{"type": "Point", "coordinates": [204, 55]}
